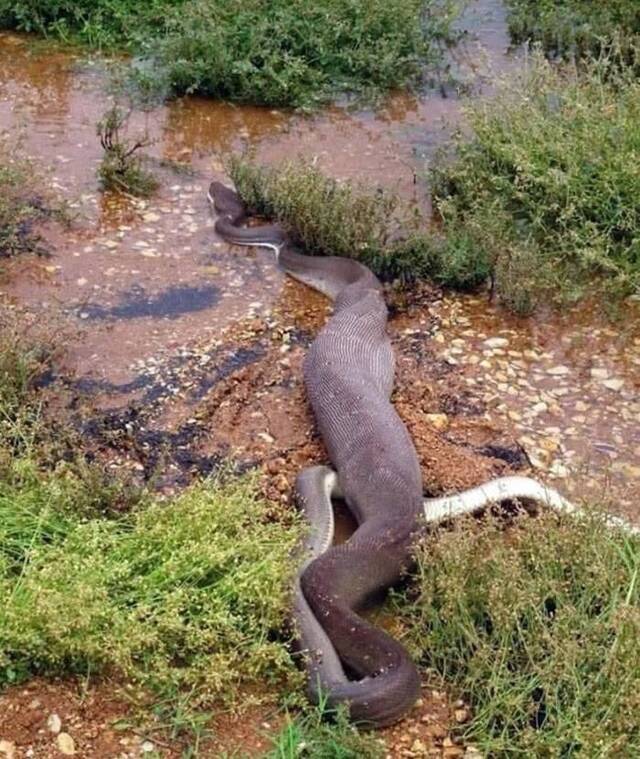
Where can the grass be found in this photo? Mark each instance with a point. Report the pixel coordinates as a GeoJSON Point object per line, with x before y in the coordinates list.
{"type": "Point", "coordinates": [328, 217]}
{"type": "Point", "coordinates": [182, 598]}
{"type": "Point", "coordinates": [279, 53]}
{"type": "Point", "coordinates": [537, 628]}
{"type": "Point", "coordinates": [21, 205]}
{"type": "Point", "coordinates": [311, 735]}
{"type": "Point", "coordinates": [576, 27]}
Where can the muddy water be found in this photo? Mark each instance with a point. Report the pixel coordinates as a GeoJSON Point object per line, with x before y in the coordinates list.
{"type": "Point", "coordinates": [137, 283]}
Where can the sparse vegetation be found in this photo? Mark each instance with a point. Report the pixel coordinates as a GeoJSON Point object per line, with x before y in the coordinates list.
{"type": "Point", "coordinates": [310, 735]}
{"type": "Point", "coordinates": [21, 204]}
{"type": "Point", "coordinates": [537, 628]}
{"type": "Point", "coordinates": [121, 169]}
{"type": "Point", "coordinates": [576, 27]}
{"type": "Point", "coordinates": [281, 53]}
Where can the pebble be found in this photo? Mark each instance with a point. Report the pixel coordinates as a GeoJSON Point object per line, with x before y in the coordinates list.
{"type": "Point", "coordinates": [558, 371]}
{"type": "Point", "coordinates": [54, 723]}
{"type": "Point", "coordinates": [439, 421]}
{"type": "Point", "coordinates": [496, 342]}
{"type": "Point", "coordinates": [8, 749]}
{"type": "Point", "coordinates": [614, 384]}
{"type": "Point", "coordinates": [66, 744]}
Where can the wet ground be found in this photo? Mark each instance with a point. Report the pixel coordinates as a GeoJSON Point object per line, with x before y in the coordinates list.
{"type": "Point", "coordinates": [182, 351]}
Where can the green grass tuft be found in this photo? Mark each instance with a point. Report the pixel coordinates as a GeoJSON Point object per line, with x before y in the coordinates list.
{"type": "Point", "coordinates": [182, 598]}
{"type": "Point", "coordinates": [335, 218]}
{"type": "Point", "coordinates": [537, 627]}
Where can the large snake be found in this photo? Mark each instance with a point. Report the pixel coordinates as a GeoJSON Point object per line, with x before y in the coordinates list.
{"type": "Point", "coordinates": [348, 373]}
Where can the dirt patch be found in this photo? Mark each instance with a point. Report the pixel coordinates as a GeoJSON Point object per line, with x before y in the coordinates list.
{"type": "Point", "coordinates": [33, 716]}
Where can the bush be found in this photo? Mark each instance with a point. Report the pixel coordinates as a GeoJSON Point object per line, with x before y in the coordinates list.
{"type": "Point", "coordinates": [335, 218]}
{"type": "Point", "coordinates": [576, 27]}
{"type": "Point", "coordinates": [281, 52]}
{"type": "Point", "coordinates": [537, 627]}
{"type": "Point", "coordinates": [121, 168]}
{"type": "Point", "coordinates": [546, 188]}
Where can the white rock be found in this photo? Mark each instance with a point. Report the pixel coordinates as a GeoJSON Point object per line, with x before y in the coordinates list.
{"type": "Point", "coordinates": [7, 749]}
{"type": "Point", "coordinates": [496, 342]}
{"type": "Point", "coordinates": [613, 384]}
{"type": "Point", "coordinates": [54, 723]}
{"type": "Point", "coordinates": [558, 371]}
{"type": "Point", "coordinates": [599, 373]}
{"type": "Point", "coordinates": [66, 744]}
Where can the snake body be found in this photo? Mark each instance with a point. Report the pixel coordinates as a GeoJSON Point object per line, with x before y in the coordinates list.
{"type": "Point", "coordinates": [348, 374]}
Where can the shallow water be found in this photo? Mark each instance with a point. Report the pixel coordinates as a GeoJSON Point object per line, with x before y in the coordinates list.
{"type": "Point", "coordinates": [135, 281]}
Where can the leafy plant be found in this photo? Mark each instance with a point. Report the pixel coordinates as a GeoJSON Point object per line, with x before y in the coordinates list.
{"type": "Point", "coordinates": [283, 52]}
{"type": "Point", "coordinates": [545, 190]}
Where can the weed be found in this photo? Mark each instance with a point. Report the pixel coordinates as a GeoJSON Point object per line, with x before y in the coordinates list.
{"type": "Point", "coordinates": [537, 628]}
{"type": "Point", "coordinates": [319, 735]}
{"type": "Point", "coordinates": [21, 202]}
{"type": "Point", "coordinates": [576, 27]}
{"type": "Point", "coordinates": [336, 218]}
{"type": "Point", "coordinates": [121, 169]}
{"type": "Point", "coordinates": [292, 53]}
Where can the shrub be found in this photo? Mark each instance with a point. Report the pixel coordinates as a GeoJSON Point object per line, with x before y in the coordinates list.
{"type": "Point", "coordinates": [546, 188]}
{"type": "Point", "coordinates": [282, 52]}
{"type": "Point", "coordinates": [576, 27]}
{"type": "Point", "coordinates": [339, 219]}
{"type": "Point", "coordinates": [178, 597]}
{"type": "Point", "coordinates": [537, 628]}
{"type": "Point", "coordinates": [121, 168]}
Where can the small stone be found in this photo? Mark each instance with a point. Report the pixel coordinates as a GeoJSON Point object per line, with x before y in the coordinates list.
{"type": "Point", "coordinates": [8, 749]}
{"type": "Point", "coordinates": [614, 384]}
{"type": "Point", "coordinates": [461, 716]}
{"type": "Point", "coordinates": [496, 342]}
{"type": "Point", "coordinates": [266, 437]}
{"type": "Point", "coordinates": [81, 282]}
{"type": "Point", "coordinates": [600, 374]}
{"type": "Point", "coordinates": [418, 746]}
{"type": "Point", "coordinates": [147, 747]}
{"type": "Point", "coordinates": [439, 421]}
{"type": "Point", "coordinates": [558, 371]}
{"type": "Point", "coordinates": [54, 723]}
{"type": "Point", "coordinates": [66, 744]}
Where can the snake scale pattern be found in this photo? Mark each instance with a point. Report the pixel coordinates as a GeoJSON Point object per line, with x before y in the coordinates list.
{"type": "Point", "coordinates": [348, 374]}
